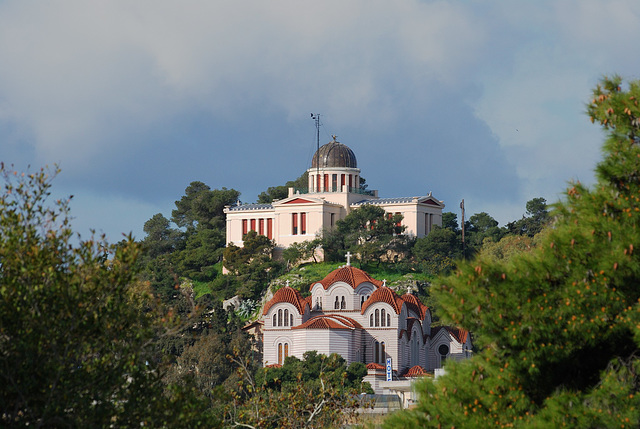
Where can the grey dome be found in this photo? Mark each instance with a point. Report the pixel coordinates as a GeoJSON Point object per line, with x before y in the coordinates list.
{"type": "Point", "coordinates": [334, 154]}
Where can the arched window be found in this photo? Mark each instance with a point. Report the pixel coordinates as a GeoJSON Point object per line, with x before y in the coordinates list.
{"type": "Point", "coordinates": [370, 319]}
{"type": "Point", "coordinates": [275, 320]}
{"type": "Point", "coordinates": [336, 305]}
{"type": "Point", "coordinates": [343, 304]}
{"type": "Point", "coordinates": [280, 353]}
{"type": "Point", "coordinates": [388, 319]}
{"type": "Point", "coordinates": [376, 352]}
{"type": "Point", "coordinates": [291, 319]}
{"type": "Point", "coordinates": [286, 350]}
{"type": "Point", "coordinates": [280, 317]}
{"type": "Point", "coordinates": [382, 313]}
{"type": "Point", "coordinates": [286, 317]}
{"type": "Point", "coordinates": [377, 317]}
{"type": "Point", "coordinates": [383, 354]}
{"type": "Point", "coordinates": [443, 350]}
{"type": "Point", "coordinates": [361, 300]}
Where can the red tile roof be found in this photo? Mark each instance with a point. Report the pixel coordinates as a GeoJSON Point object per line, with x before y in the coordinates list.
{"type": "Point", "coordinates": [290, 295]}
{"type": "Point", "coordinates": [375, 366]}
{"type": "Point", "coordinates": [414, 304]}
{"type": "Point", "coordinates": [329, 321]}
{"type": "Point", "coordinates": [384, 294]}
{"type": "Point", "coordinates": [415, 371]}
{"type": "Point", "coordinates": [273, 365]}
{"type": "Point", "coordinates": [352, 276]}
{"type": "Point", "coordinates": [459, 334]}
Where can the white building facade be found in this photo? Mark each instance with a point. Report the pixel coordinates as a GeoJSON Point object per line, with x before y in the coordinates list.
{"type": "Point", "coordinates": [361, 319]}
{"type": "Point", "coordinates": [333, 192]}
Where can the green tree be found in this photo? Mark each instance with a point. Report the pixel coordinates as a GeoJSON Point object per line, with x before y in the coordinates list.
{"type": "Point", "coordinates": [538, 217]}
{"type": "Point", "coordinates": [479, 228]}
{"type": "Point", "coordinates": [302, 251]}
{"type": "Point", "coordinates": [200, 212]}
{"type": "Point", "coordinates": [252, 264]}
{"type": "Point", "coordinates": [558, 327]}
{"type": "Point", "coordinates": [316, 392]}
{"type": "Point", "coordinates": [76, 331]}
{"type": "Point", "coordinates": [440, 248]}
{"type": "Point", "coordinates": [450, 221]}
{"type": "Point", "coordinates": [369, 232]}
{"type": "Point", "coordinates": [279, 192]}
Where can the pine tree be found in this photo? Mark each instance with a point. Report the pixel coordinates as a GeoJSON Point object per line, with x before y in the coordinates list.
{"type": "Point", "coordinates": [557, 328]}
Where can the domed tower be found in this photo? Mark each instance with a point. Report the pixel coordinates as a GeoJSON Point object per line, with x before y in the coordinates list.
{"type": "Point", "coordinates": [334, 168]}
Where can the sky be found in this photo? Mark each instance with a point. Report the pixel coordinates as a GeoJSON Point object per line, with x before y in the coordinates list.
{"type": "Point", "coordinates": [474, 100]}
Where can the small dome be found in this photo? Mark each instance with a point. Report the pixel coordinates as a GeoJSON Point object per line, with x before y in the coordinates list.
{"type": "Point", "coordinates": [334, 154]}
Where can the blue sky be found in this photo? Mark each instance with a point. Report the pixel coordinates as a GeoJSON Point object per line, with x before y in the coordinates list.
{"type": "Point", "coordinates": [477, 100]}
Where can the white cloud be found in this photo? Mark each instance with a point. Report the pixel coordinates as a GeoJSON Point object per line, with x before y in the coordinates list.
{"type": "Point", "coordinates": [134, 90]}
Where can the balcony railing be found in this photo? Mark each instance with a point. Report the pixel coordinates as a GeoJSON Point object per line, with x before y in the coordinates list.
{"type": "Point", "coordinates": [336, 189]}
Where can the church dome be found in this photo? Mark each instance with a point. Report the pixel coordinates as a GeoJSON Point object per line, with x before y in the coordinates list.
{"type": "Point", "coordinates": [334, 154]}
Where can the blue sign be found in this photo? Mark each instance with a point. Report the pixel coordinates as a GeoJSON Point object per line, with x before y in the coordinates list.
{"type": "Point", "coordinates": [389, 370]}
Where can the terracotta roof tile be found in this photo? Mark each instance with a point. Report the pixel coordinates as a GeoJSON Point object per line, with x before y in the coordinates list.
{"type": "Point", "coordinates": [415, 371]}
{"type": "Point", "coordinates": [459, 334]}
{"type": "Point", "coordinates": [350, 275]}
{"type": "Point", "coordinates": [414, 304]}
{"type": "Point", "coordinates": [290, 295]}
{"type": "Point", "coordinates": [274, 365]}
{"type": "Point", "coordinates": [329, 321]}
{"type": "Point", "coordinates": [384, 294]}
{"type": "Point", "coordinates": [375, 366]}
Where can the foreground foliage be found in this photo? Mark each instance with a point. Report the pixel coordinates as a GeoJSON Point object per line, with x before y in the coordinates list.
{"type": "Point", "coordinates": [558, 326]}
{"type": "Point", "coordinates": [76, 336]}
{"type": "Point", "coordinates": [316, 392]}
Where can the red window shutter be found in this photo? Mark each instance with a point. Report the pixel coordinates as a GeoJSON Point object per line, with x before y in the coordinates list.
{"type": "Point", "coordinates": [326, 182]}
{"type": "Point", "coordinates": [303, 223]}
{"type": "Point", "coordinates": [342, 179]}
{"type": "Point", "coordinates": [244, 227]}
{"type": "Point", "coordinates": [253, 224]}
{"type": "Point", "coordinates": [270, 229]}
{"type": "Point", "coordinates": [261, 226]}
{"type": "Point", "coordinates": [294, 223]}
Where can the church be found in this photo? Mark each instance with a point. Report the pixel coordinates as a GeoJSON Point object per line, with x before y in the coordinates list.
{"type": "Point", "coordinates": [361, 319]}
{"type": "Point", "coordinates": [333, 192]}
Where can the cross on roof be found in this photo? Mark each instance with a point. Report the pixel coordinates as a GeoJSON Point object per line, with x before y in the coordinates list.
{"type": "Point", "coordinates": [287, 283]}
{"type": "Point", "coordinates": [384, 282]}
{"type": "Point", "coordinates": [348, 255]}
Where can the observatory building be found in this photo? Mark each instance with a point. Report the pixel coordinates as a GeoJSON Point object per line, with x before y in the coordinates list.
{"type": "Point", "coordinates": [333, 192]}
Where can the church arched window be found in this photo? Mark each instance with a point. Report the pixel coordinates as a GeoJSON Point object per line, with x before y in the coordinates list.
{"type": "Point", "coordinates": [290, 319]}
{"type": "Point", "coordinates": [361, 300]}
{"type": "Point", "coordinates": [376, 352]}
{"type": "Point", "coordinates": [377, 317]}
{"type": "Point", "coordinates": [383, 354]}
{"type": "Point", "coordinates": [388, 319]}
{"type": "Point", "coordinates": [336, 305]}
{"type": "Point", "coordinates": [275, 319]}
{"type": "Point", "coordinates": [286, 350]}
{"type": "Point", "coordinates": [443, 350]}
{"type": "Point", "coordinates": [286, 317]}
{"type": "Point", "coordinates": [343, 304]}
{"type": "Point", "coordinates": [382, 313]}
{"type": "Point", "coordinates": [370, 319]}
{"type": "Point", "coordinates": [280, 317]}
{"type": "Point", "coordinates": [280, 353]}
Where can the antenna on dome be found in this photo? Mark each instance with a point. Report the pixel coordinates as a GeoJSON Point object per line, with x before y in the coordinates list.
{"type": "Point", "coordinates": [316, 117]}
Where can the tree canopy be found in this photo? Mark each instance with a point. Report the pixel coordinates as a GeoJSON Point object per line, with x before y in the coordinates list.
{"type": "Point", "coordinates": [77, 330]}
{"type": "Point", "coordinates": [558, 327]}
